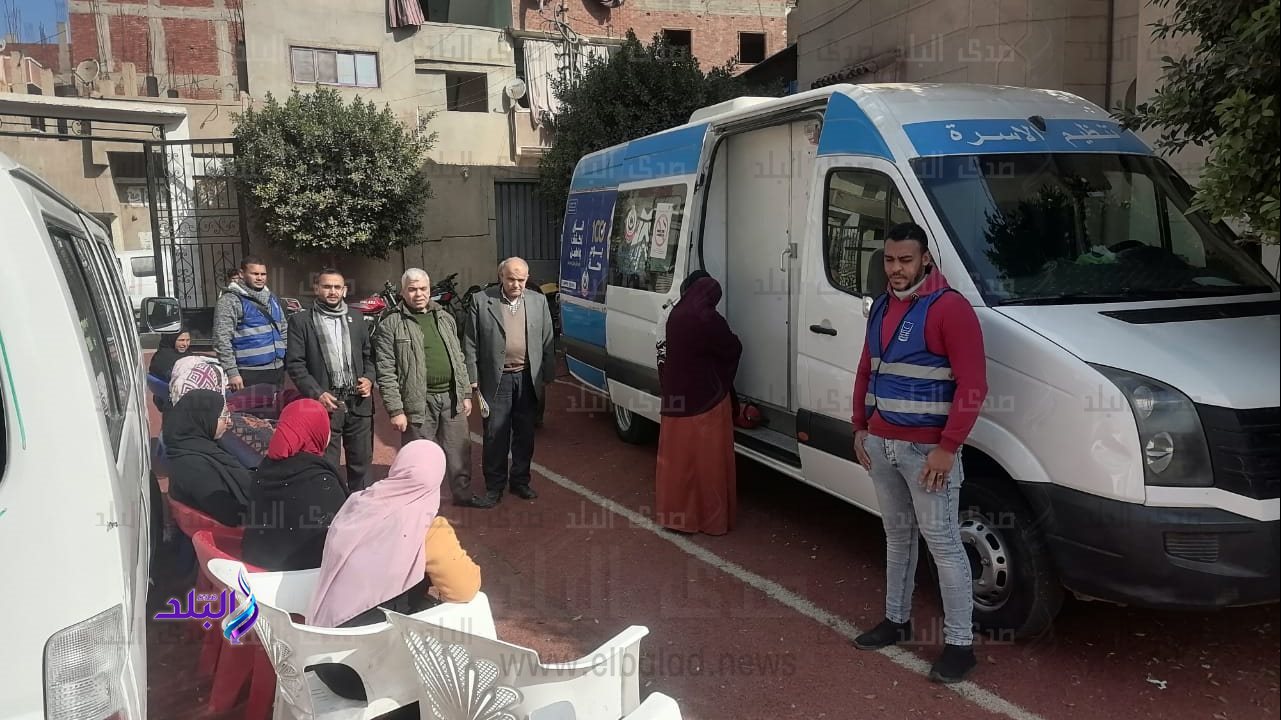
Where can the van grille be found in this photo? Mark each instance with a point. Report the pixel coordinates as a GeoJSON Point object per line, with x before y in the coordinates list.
{"type": "Point", "coordinates": [1198, 547]}
{"type": "Point", "coordinates": [1245, 449]}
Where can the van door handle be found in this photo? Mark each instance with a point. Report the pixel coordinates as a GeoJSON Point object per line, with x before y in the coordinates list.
{"type": "Point", "coordinates": [822, 329]}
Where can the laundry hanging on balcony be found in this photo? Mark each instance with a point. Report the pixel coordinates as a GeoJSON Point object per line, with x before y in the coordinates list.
{"type": "Point", "coordinates": [548, 59]}
{"type": "Point", "coordinates": [405, 13]}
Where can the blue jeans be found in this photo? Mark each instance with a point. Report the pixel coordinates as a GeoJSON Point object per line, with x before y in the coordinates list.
{"type": "Point", "coordinates": [906, 509]}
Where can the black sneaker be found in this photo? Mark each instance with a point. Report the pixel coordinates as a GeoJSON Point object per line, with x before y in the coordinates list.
{"type": "Point", "coordinates": [952, 666]}
{"type": "Point", "coordinates": [883, 635]}
{"type": "Point", "coordinates": [524, 492]}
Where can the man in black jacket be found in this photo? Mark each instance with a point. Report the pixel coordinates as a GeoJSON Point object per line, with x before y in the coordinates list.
{"type": "Point", "coordinates": [330, 359]}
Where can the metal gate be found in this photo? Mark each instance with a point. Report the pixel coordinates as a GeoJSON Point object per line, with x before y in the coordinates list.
{"type": "Point", "coordinates": [198, 225]}
{"type": "Point", "coordinates": [527, 228]}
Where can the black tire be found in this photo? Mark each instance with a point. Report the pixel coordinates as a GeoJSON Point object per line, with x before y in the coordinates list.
{"type": "Point", "coordinates": [1020, 593]}
{"type": "Point", "coordinates": [630, 427]}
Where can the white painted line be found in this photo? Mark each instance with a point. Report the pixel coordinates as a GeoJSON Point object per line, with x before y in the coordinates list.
{"type": "Point", "coordinates": [985, 699]}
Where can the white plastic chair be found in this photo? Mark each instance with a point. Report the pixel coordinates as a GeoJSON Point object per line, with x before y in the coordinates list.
{"type": "Point", "coordinates": [465, 675]}
{"type": "Point", "coordinates": [375, 652]}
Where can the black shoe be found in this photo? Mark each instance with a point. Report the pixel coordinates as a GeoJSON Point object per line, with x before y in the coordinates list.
{"type": "Point", "coordinates": [953, 664]}
{"type": "Point", "coordinates": [524, 492]}
{"type": "Point", "coordinates": [473, 501]}
{"type": "Point", "coordinates": [490, 500]}
{"type": "Point", "coordinates": [883, 635]}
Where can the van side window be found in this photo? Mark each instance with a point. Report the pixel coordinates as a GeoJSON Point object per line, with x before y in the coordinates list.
{"type": "Point", "coordinates": [106, 353]}
{"type": "Point", "coordinates": [860, 207]}
{"type": "Point", "coordinates": [119, 301]}
{"type": "Point", "coordinates": [644, 237]}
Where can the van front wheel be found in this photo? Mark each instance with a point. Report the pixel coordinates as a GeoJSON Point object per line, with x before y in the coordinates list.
{"type": "Point", "coordinates": [632, 428]}
{"type": "Point", "coordinates": [1016, 590]}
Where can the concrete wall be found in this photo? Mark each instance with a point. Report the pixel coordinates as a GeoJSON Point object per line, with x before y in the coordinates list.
{"type": "Point", "coordinates": [1040, 43]}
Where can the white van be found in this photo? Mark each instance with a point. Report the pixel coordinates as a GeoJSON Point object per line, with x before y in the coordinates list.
{"type": "Point", "coordinates": [138, 270]}
{"type": "Point", "coordinates": [1128, 450]}
{"type": "Point", "coordinates": [75, 478]}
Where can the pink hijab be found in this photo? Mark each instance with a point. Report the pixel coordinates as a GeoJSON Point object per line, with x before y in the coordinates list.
{"type": "Point", "coordinates": [374, 547]}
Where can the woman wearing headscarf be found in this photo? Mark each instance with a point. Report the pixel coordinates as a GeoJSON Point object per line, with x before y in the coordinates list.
{"type": "Point", "coordinates": [386, 548]}
{"type": "Point", "coordinates": [695, 485]}
{"type": "Point", "coordinates": [173, 347]}
{"type": "Point", "coordinates": [249, 436]}
{"type": "Point", "coordinates": [297, 493]}
{"type": "Point", "coordinates": [203, 475]}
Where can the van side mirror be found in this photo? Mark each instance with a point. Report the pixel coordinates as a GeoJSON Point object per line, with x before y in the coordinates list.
{"type": "Point", "coordinates": [867, 305]}
{"type": "Point", "coordinates": [161, 314]}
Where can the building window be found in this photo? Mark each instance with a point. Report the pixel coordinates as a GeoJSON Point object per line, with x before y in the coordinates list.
{"type": "Point", "coordinates": [334, 67]}
{"type": "Point", "coordinates": [751, 47]}
{"type": "Point", "coordinates": [679, 41]}
{"type": "Point", "coordinates": [466, 92]}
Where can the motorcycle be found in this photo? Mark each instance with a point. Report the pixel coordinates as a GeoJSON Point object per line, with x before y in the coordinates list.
{"type": "Point", "coordinates": [378, 306]}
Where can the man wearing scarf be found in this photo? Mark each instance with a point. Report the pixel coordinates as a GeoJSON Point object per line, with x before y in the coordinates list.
{"type": "Point", "coordinates": [330, 360]}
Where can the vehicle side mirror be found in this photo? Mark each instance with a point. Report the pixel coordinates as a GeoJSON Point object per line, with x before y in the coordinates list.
{"type": "Point", "coordinates": [867, 305]}
{"type": "Point", "coordinates": [161, 314]}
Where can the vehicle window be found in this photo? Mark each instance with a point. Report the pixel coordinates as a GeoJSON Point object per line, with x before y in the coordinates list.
{"type": "Point", "coordinates": [645, 235]}
{"type": "Point", "coordinates": [861, 207]}
{"type": "Point", "coordinates": [100, 338]}
{"type": "Point", "coordinates": [123, 314]}
{"type": "Point", "coordinates": [142, 266]}
{"type": "Point", "coordinates": [1083, 227]}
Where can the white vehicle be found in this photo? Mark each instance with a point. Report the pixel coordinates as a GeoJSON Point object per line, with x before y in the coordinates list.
{"type": "Point", "coordinates": [75, 479]}
{"type": "Point", "coordinates": [138, 270]}
{"type": "Point", "coordinates": [1128, 449]}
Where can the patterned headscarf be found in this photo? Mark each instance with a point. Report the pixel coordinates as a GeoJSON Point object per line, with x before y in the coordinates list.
{"type": "Point", "coordinates": [196, 372]}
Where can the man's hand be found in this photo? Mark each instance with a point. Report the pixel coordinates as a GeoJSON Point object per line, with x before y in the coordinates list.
{"type": "Point", "coordinates": [860, 437]}
{"type": "Point", "coordinates": [938, 465]}
{"type": "Point", "coordinates": [400, 422]}
{"type": "Point", "coordinates": [236, 382]}
{"type": "Point", "coordinates": [329, 401]}
{"type": "Point", "coordinates": [467, 407]}
{"type": "Point", "coordinates": [364, 387]}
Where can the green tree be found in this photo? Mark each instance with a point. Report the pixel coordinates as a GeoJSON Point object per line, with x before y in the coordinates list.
{"type": "Point", "coordinates": [641, 89]}
{"type": "Point", "coordinates": [328, 177]}
{"type": "Point", "coordinates": [1224, 94]}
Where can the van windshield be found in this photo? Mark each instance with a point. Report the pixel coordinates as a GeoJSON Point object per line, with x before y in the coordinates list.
{"type": "Point", "coordinates": [1063, 228]}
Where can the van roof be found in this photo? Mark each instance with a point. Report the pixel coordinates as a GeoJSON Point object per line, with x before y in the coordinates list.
{"type": "Point", "coordinates": [893, 105]}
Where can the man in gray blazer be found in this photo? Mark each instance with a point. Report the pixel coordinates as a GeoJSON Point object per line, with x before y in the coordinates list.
{"type": "Point", "coordinates": [510, 350]}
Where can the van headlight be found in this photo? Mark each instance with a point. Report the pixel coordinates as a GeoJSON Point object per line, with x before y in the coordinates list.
{"type": "Point", "coordinates": [1171, 438]}
{"type": "Point", "coordinates": [84, 669]}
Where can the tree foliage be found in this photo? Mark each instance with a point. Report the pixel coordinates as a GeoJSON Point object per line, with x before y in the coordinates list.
{"type": "Point", "coordinates": [1224, 94]}
{"type": "Point", "coordinates": [641, 89]}
{"type": "Point", "coordinates": [330, 177]}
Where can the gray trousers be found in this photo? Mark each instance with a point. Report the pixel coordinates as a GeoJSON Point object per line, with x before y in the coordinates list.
{"type": "Point", "coordinates": [449, 430]}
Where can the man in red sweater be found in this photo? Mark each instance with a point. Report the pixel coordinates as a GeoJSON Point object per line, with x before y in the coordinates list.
{"type": "Point", "coordinates": [920, 386]}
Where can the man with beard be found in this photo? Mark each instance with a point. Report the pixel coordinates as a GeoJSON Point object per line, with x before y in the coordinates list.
{"type": "Point", "coordinates": [249, 330]}
{"type": "Point", "coordinates": [330, 359]}
{"type": "Point", "coordinates": [920, 386]}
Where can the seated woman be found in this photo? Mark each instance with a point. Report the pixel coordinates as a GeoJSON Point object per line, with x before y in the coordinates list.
{"type": "Point", "coordinates": [248, 437]}
{"type": "Point", "coordinates": [173, 347]}
{"type": "Point", "coordinates": [202, 475]}
{"type": "Point", "coordinates": [297, 493]}
{"type": "Point", "coordinates": [386, 548]}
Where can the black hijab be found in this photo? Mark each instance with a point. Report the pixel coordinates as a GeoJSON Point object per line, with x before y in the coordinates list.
{"type": "Point", "coordinates": [201, 473]}
{"type": "Point", "coordinates": [166, 355]}
{"type": "Point", "coordinates": [294, 502]}
{"type": "Point", "coordinates": [702, 352]}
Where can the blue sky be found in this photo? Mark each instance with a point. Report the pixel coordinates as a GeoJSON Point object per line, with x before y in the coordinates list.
{"type": "Point", "coordinates": [34, 12]}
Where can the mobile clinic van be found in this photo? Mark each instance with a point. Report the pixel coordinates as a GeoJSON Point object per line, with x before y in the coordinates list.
{"type": "Point", "coordinates": [1128, 449]}
{"type": "Point", "coordinates": [74, 468]}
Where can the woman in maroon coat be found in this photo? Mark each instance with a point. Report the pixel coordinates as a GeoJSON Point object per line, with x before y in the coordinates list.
{"type": "Point", "coordinates": [696, 488]}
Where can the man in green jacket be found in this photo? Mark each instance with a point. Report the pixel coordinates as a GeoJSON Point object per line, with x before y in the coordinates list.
{"type": "Point", "coordinates": [423, 379]}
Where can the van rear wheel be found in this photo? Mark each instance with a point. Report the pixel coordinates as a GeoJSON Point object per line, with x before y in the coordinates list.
{"type": "Point", "coordinates": [632, 428]}
{"type": "Point", "coordinates": [1016, 589]}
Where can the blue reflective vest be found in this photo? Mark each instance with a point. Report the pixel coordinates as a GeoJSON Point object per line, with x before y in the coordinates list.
{"type": "Point", "coordinates": [910, 386]}
{"type": "Point", "coordinates": [256, 340]}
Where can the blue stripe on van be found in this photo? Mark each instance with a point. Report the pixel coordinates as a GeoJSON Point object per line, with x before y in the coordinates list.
{"type": "Point", "coordinates": [667, 154]}
{"type": "Point", "coordinates": [1017, 135]}
{"type": "Point", "coordinates": [847, 130]}
{"type": "Point", "coordinates": [583, 323]}
{"type": "Point", "coordinates": [591, 375]}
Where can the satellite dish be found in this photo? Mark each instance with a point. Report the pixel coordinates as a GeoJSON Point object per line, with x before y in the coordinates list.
{"type": "Point", "coordinates": [87, 71]}
{"type": "Point", "coordinates": [515, 89]}
{"type": "Point", "coordinates": [3, 44]}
